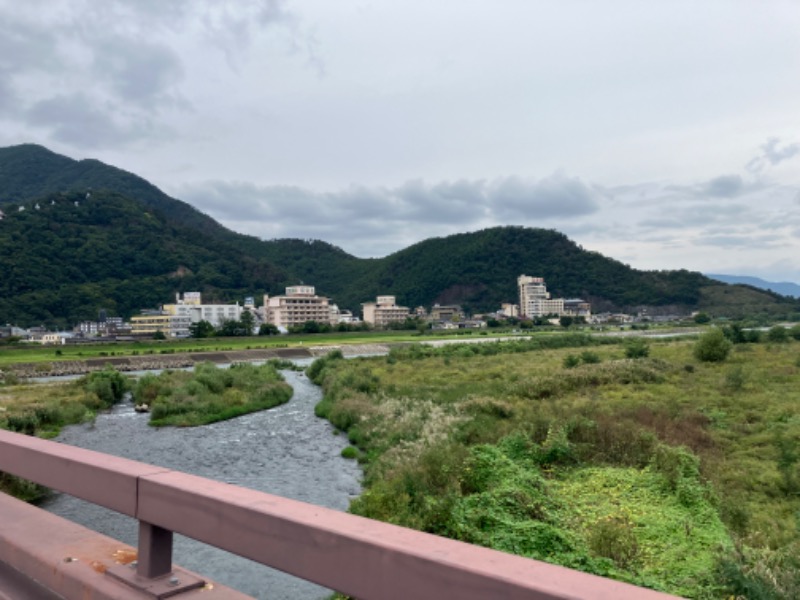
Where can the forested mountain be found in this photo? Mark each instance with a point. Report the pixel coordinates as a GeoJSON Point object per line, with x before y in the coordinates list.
{"type": "Point", "coordinates": [30, 171]}
{"type": "Point", "coordinates": [103, 238]}
{"type": "Point", "coordinates": [67, 255]}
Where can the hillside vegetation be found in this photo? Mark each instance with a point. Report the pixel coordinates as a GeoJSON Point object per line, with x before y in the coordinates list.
{"type": "Point", "coordinates": [77, 254]}
{"type": "Point", "coordinates": [130, 246]}
{"type": "Point", "coordinates": [664, 471]}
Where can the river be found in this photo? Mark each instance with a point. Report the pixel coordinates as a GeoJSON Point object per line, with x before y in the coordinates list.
{"type": "Point", "coordinates": [285, 451]}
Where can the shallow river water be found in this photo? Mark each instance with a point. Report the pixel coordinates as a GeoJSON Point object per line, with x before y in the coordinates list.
{"type": "Point", "coordinates": [285, 451]}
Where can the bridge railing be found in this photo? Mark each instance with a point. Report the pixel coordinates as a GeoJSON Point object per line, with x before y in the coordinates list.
{"type": "Point", "coordinates": [357, 556]}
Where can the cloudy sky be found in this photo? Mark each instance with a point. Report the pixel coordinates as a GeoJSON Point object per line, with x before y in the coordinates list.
{"type": "Point", "coordinates": [663, 134]}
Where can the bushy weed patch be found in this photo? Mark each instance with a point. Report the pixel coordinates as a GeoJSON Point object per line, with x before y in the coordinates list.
{"type": "Point", "coordinates": [641, 469]}
{"type": "Point", "coordinates": [209, 394]}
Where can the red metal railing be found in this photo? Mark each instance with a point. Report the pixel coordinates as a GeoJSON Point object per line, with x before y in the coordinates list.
{"type": "Point", "coordinates": [363, 558]}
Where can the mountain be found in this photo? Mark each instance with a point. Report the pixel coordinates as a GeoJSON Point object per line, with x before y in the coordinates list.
{"type": "Point", "coordinates": [103, 238]}
{"type": "Point", "coordinates": [67, 255]}
{"type": "Point", "coordinates": [30, 171]}
{"type": "Point", "coordinates": [784, 288]}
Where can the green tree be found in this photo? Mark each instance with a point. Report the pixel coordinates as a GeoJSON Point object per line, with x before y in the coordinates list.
{"type": "Point", "coordinates": [159, 335]}
{"type": "Point", "coordinates": [701, 318]}
{"type": "Point", "coordinates": [231, 328]}
{"type": "Point", "coordinates": [248, 322]}
{"type": "Point", "coordinates": [268, 329]}
{"type": "Point", "coordinates": [712, 346]}
{"type": "Point", "coordinates": [566, 321]}
{"type": "Point", "coordinates": [311, 327]}
{"type": "Point", "coordinates": [735, 333]}
{"type": "Point", "coordinates": [201, 329]}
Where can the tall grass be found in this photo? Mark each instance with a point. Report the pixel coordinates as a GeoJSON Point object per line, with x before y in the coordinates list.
{"type": "Point", "coordinates": [209, 394]}
{"type": "Point", "coordinates": [666, 471]}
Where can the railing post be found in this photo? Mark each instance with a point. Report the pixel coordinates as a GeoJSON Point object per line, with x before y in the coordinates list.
{"type": "Point", "coordinates": [154, 573]}
{"type": "Point", "coordinates": [155, 551]}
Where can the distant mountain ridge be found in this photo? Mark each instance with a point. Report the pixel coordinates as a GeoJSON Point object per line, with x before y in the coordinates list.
{"type": "Point", "coordinates": [784, 288]}
{"type": "Point", "coordinates": [103, 238]}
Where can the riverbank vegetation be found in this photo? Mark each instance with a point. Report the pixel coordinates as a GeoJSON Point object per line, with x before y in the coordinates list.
{"type": "Point", "coordinates": [209, 394]}
{"type": "Point", "coordinates": [666, 470]}
{"type": "Point", "coordinates": [43, 409]}
{"type": "Point", "coordinates": [179, 398]}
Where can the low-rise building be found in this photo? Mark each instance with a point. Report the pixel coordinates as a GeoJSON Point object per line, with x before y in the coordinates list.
{"type": "Point", "coordinates": [509, 310]}
{"type": "Point", "coordinates": [384, 311]}
{"type": "Point", "coordinates": [191, 306]}
{"type": "Point", "coordinates": [448, 312]}
{"type": "Point", "coordinates": [150, 322]}
{"type": "Point", "coordinates": [342, 315]}
{"type": "Point", "coordinates": [576, 307]}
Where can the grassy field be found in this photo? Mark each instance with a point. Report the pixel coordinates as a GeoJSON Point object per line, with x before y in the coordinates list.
{"type": "Point", "coordinates": [32, 353]}
{"type": "Point", "coordinates": [36, 353]}
{"type": "Point", "coordinates": [663, 471]}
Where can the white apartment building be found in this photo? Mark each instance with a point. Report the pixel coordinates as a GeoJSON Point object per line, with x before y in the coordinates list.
{"type": "Point", "coordinates": [300, 304]}
{"type": "Point", "coordinates": [384, 311]}
{"type": "Point", "coordinates": [191, 306]}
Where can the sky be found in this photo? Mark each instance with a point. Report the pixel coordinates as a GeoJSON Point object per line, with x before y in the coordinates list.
{"type": "Point", "coordinates": [665, 135]}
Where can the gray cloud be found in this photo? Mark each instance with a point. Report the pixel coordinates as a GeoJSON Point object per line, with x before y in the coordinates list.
{"type": "Point", "coordinates": [138, 72]}
{"type": "Point", "coordinates": [772, 155]}
{"type": "Point", "coordinates": [124, 61]}
{"type": "Point", "coordinates": [722, 186]}
{"type": "Point", "coordinates": [385, 217]}
{"type": "Point", "coordinates": [554, 196]}
{"type": "Point", "coordinates": [746, 240]}
{"type": "Point", "coordinates": [698, 214]}
{"type": "Point", "coordinates": [79, 120]}
{"type": "Point", "coordinates": [725, 186]}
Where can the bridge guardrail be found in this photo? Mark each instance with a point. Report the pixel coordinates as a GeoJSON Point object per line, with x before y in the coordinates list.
{"type": "Point", "coordinates": [357, 556]}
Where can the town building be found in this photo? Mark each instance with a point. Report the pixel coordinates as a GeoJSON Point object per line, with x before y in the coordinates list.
{"type": "Point", "coordinates": [384, 311]}
{"type": "Point", "coordinates": [576, 307]}
{"type": "Point", "coordinates": [342, 316]}
{"type": "Point", "coordinates": [152, 321]}
{"type": "Point", "coordinates": [191, 306]}
{"type": "Point", "coordinates": [299, 305]}
{"type": "Point", "coordinates": [106, 327]}
{"type": "Point", "coordinates": [451, 312]}
{"type": "Point", "coordinates": [508, 310]}
{"type": "Point", "coordinates": [535, 300]}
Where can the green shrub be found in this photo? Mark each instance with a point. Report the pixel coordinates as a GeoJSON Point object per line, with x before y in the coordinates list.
{"type": "Point", "coordinates": [109, 385]}
{"type": "Point", "coordinates": [590, 358]}
{"type": "Point", "coordinates": [614, 537]}
{"type": "Point", "coordinates": [636, 348]}
{"type": "Point", "coordinates": [778, 334]}
{"type": "Point", "coordinates": [350, 452]}
{"type": "Point", "coordinates": [571, 361]}
{"type": "Point", "coordinates": [712, 346]}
